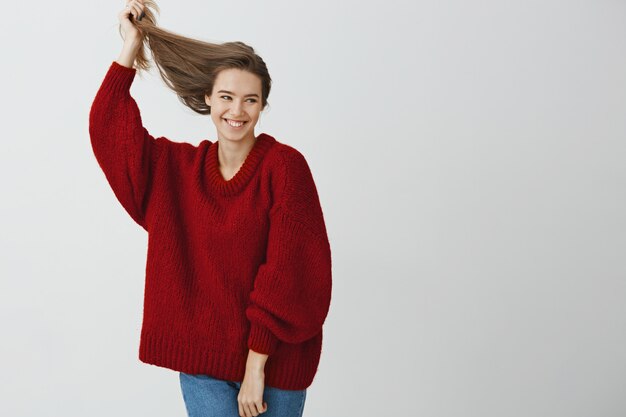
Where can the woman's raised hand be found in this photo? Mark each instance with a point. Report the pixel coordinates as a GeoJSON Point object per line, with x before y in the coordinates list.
{"type": "Point", "coordinates": [133, 8]}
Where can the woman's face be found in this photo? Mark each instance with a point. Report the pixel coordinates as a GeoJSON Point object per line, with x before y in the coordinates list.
{"type": "Point", "coordinates": [235, 104]}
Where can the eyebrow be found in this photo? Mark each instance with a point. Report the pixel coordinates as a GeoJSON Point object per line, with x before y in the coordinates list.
{"type": "Point", "coordinates": [230, 92]}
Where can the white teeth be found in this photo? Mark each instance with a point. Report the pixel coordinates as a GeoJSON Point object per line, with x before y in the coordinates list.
{"type": "Point", "coordinates": [234, 124]}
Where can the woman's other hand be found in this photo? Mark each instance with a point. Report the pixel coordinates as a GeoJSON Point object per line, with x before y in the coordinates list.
{"type": "Point", "coordinates": [250, 398]}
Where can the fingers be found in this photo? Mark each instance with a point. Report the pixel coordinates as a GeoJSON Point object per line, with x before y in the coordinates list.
{"type": "Point", "coordinates": [251, 409]}
{"type": "Point", "coordinates": [136, 8]}
{"type": "Point", "coordinates": [130, 9]}
{"type": "Point", "coordinates": [247, 411]}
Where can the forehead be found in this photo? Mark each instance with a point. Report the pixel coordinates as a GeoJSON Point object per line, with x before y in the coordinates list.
{"type": "Point", "coordinates": [238, 81]}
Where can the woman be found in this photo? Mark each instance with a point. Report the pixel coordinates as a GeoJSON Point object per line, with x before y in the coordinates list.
{"type": "Point", "coordinates": [238, 272]}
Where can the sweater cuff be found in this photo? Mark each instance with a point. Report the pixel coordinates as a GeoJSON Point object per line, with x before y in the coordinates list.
{"type": "Point", "coordinates": [119, 78]}
{"type": "Point", "coordinates": [262, 340]}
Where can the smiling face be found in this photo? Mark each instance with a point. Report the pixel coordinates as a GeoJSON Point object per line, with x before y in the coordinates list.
{"type": "Point", "coordinates": [235, 104]}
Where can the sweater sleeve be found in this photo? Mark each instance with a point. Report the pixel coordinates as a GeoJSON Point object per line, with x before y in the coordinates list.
{"type": "Point", "coordinates": [292, 289]}
{"type": "Point", "coordinates": [124, 149]}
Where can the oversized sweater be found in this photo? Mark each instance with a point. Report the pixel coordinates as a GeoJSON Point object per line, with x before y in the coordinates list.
{"type": "Point", "coordinates": [232, 265]}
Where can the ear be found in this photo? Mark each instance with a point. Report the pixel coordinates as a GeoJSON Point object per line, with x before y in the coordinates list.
{"type": "Point", "coordinates": [207, 100]}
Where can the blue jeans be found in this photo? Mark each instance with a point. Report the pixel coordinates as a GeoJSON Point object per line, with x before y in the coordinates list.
{"type": "Point", "coordinates": [206, 396]}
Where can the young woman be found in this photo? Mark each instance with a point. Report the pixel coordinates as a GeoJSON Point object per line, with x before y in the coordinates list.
{"type": "Point", "coordinates": [238, 272]}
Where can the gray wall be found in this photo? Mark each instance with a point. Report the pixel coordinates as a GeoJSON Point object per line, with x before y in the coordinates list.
{"type": "Point", "coordinates": [470, 162]}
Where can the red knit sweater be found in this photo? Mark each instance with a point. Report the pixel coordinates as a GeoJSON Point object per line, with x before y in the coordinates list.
{"type": "Point", "coordinates": [231, 265]}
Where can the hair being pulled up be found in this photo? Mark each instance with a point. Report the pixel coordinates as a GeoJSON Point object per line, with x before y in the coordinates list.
{"type": "Point", "coordinates": [189, 66]}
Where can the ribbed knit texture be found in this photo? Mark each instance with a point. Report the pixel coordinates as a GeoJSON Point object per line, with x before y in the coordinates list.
{"type": "Point", "coordinates": [231, 265]}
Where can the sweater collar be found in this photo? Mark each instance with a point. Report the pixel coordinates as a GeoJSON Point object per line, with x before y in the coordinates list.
{"type": "Point", "coordinates": [261, 145]}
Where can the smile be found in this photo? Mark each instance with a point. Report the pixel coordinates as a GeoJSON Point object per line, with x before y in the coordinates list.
{"type": "Point", "coordinates": [235, 124]}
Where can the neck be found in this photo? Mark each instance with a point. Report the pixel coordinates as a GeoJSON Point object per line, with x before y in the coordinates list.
{"type": "Point", "coordinates": [232, 153]}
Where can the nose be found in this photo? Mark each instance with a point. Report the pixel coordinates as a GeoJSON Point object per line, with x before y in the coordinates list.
{"type": "Point", "coordinates": [235, 108]}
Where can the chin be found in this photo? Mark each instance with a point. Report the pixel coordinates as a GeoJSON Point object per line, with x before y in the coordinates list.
{"type": "Point", "coordinates": [236, 137]}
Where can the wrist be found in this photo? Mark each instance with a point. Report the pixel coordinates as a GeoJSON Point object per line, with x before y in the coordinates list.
{"type": "Point", "coordinates": [255, 369]}
{"type": "Point", "coordinates": [129, 53]}
{"type": "Point", "coordinates": [256, 361]}
{"type": "Point", "coordinates": [132, 44]}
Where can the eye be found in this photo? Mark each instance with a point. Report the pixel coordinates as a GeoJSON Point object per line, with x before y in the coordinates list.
{"type": "Point", "coordinates": [224, 96]}
{"type": "Point", "coordinates": [253, 100]}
